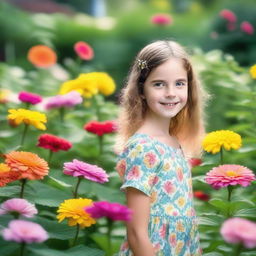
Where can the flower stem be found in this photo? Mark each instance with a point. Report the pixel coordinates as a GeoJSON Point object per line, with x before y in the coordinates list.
{"type": "Point", "coordinates": [22, 248]}
{"type": "Point", "coordinates": [24, 134]}
{"type": "Point", "coordinates": [76, 236]}
{"type": "Point", "coordinates": [110, 226]}
{"type": "Point", "coordinates": [100, 144]}
{"type": "Point", "coordinates": [229, 192]}
{"type": "Point", "coordinates": [23, 182]}
{"type": "Point", "coordinates": [221, 156]}
{"type": "Point", "coordinates": [230, 188]}
{"type": "Point", "coordinates": [50, 156]}
{"type": "Point", "coordinates": [238, 250]}
{"type": "Point", "coordinates": [27, 105]}
{"type": "Point", "coordinates": [62, 114]}
{"type": "Point", "coordinates": [77, 185]}
{"type": "Point", "coordinates": [96, 107]}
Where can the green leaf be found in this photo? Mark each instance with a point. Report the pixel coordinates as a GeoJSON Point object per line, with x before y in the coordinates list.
{"type": "Point", "coordinates": [208, 221]}
{"type": "Point", "coordinates": [246, 213]}
{"type": "Point", "coordinates": [219, 204]}
{"type": "Point", "coordinates": [57, 230]}
{"type": "Point", "coordinates": [47, 195]}
{"type": "Point", "coordinates": [10, 191]}
{"type": "Point", "coordinates": [213, 254]}
{"type": "Point", "coordinates": [9, 248]}
{"type": "Point", "coordinates": [240, 204]}
{"type": "Point", "coordinates": [106, 193]}
{"type": "Point", "coordinates": [56, 183]}
{"type": "Point", "coordinates": [79, 250]}
{"type": "Point", "coordinates": [102, 241]}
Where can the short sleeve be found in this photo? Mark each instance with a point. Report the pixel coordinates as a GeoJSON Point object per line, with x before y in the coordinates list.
{"type": "Point", "coordinates": [138, 165]}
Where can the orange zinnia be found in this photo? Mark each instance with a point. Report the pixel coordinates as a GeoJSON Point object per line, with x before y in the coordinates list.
{"type": "Point", "coordinates": [28, 165]}
{"type": "Point", "coordinates": [42, 56]}
{"type": "Point", "coordinates": [6, 176]}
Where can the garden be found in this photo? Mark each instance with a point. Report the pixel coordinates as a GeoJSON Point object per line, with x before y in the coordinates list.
{"type": "Point", "coordinates": [60, 78]}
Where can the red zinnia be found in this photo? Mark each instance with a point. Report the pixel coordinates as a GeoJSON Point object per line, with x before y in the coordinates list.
{"type": "Point", "coordinates": [101, 128]}
{"type": "Point", "coordinates": [201, 195]}
{"type": "Point", "coordinates": [195, 162]}
{"type": "Point", "coordinates": [84, 50]}
{"type": "Point", "coordinates": [54, 143]}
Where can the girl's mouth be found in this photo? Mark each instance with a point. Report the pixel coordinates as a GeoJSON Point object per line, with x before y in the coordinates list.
{"type": "Point", "coordinates": [169, 104]}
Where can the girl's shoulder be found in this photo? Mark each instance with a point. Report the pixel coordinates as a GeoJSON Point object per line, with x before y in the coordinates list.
{"type": "Point", "coordinates": [142, 141]}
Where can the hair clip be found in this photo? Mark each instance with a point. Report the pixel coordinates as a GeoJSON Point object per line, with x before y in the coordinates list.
{"type": "Point", "coordinates": [142, 64]}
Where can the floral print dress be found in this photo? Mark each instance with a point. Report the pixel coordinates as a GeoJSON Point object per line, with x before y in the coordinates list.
{"type": "Point", "coordinates": [162, 173]}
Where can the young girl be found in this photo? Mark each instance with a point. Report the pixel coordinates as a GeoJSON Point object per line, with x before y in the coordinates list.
{"type": "Point", "coordinates": [160, 126]}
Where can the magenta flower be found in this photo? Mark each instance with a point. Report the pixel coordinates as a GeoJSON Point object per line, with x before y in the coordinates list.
{"type": "Point", "coordinates": [161, 19]}
{"type": "Point", "coordinates": [88, 171]}
{"type": "Point", "coordinates": [113, 211]}
{"type": "Point", "coordinates": [238, 230]}
{"type": "Point", "coordinates": [247, 28]}
{"type": "Point", "coordinates": [24, 231]}
{"type": "Point", "coordinates": [29, 97]}
{"type": "Point", "coordinates": [18, 205]}
{"type": "Point", "coordinates": [229, 175]}
{"type": "Point", "coordinates": [83, 50]}
{"type": "Point", "coordinates": [66, 100]}
{"type": "Point", "coordinates": [228, 15]}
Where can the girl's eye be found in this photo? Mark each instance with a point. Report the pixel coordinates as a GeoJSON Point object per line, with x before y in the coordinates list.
{"type": "Point", "coordinates": [180, 83]}
{"type": "Point", "coordinates": [158, 84]}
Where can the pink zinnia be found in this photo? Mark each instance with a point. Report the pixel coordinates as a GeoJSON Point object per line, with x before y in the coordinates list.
{"type": "Point", "coordinates": [229, 174]}
{"type": "Point", "coordinates": [18, 205]}
{"type": "Point", "coordinates": [238, 230]}
{"type": "Point", "coordinates": [24, 231]}
{"type": "Point", "coordinates": [66, 100]}
{"type": "Point", "coordinates": [228, 15]}
{"type": "Point", "coordinates": [84, 50]}
{"type": "Point", "coordinates": [29, 97]}
{"type": "Point", "coordinates": [101, 128]}
{"type": "Point", "coordinates": [88, 171]}
{"type": "Point", "coordinates": [247, 28]}
{"type": "Point", "coordinates": [161, 19]}
{"type": "Point", "coordinates": [113, 211]}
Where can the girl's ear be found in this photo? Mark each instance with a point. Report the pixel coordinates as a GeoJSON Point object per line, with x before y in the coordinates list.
{"type": "Point", "coordinates": [142, 96]}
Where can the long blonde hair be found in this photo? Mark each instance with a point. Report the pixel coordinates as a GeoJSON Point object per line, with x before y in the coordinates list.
{"type": "Point", "coordinates": [188, 124]}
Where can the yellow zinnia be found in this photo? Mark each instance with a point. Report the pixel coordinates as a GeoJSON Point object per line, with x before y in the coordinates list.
{"type": "Point", "coordinates": [86, 86]}
{"type": "Point", "coordinates": [105, 83]}
{"type": "Point", "coordinates": [253, 71]}
{"type": "Point", "coordinates": [73, 211]}
{"type": "Point", "coordinates": [90, 84]}
{"type": "Point", "coordinates": [18, 116]}
{"type": "Point", "coordinates": [213, 141]}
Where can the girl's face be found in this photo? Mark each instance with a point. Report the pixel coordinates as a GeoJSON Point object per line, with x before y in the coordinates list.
{"type": "Point", "coordinates": [166, 89]}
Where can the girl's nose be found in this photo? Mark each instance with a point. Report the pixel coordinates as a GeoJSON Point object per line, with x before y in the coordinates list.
{"type": "Point", "coordinates": [170, 91]}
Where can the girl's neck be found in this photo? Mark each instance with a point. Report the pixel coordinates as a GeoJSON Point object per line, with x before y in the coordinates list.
{"type": "Point", "coordinates": [155, 126]}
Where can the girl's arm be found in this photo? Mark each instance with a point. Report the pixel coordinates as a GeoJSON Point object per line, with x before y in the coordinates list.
{"type": "Point", "coordinates": [137, 228]}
